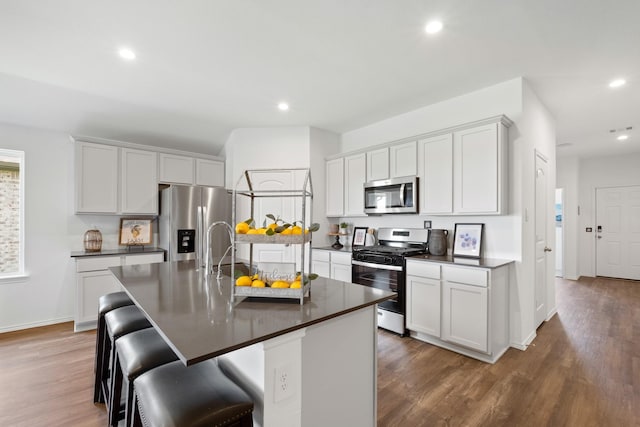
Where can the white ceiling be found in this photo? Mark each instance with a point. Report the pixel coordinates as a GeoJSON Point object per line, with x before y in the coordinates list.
{"type": "Point", "coordinates": [205, 67]}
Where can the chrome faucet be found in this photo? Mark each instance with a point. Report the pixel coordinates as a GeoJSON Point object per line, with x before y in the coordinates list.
{"type": "Point", "coordinates": [208, 266]}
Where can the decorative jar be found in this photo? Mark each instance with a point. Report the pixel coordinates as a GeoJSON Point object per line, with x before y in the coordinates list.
{"type": "Point", "coordinates": [93, 240]}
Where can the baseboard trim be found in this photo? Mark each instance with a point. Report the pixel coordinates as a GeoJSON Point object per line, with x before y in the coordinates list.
{"type": "Point", "coordinates": [35, 324]}
{"type": "Point", "coordinates": [524, 344]}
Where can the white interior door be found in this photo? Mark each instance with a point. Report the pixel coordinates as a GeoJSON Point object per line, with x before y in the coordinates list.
{"type": "Point", "coordinates": [541, 218]}
{"type": "Point", "coordinates": [618, 232]}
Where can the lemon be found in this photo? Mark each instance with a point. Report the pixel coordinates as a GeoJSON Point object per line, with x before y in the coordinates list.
{"type": "Point", "coordinates": [272, 226]}
{"type": "Point", "coordinates": [280, 284]}
{"type": "Point", "coordinates": [242, 228]}
{"type": "Point", "coordinates": [255, 276]}
{"type": "Point", "coordinates": [296, 230]}
{"type": "Point", "coordinates": [257, 284]}
{"type": "Point", "coordinates": [286, 231]}
{"type": "Point", "coordinates": [243, 281]}
{"type": "Point", "coordinates": [296, 285]}
{"type": "Point", "coordinates": [253, 231]}
{"type": "Point", "coordinates": [262, 230]}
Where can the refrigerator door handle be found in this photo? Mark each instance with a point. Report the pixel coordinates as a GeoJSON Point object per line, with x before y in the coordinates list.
{"type": "Point", "coordinates": [200, 237]}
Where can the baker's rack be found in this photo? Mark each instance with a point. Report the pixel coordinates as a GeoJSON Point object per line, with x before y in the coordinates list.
{"type": "Point", "coordinates": [304, 195]}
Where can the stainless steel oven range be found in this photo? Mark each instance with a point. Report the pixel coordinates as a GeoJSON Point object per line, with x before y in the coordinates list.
{"type": "Point", "coordinates": [383, 266]}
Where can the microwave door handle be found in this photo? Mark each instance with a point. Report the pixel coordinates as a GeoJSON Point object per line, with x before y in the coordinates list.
{"type": "Point", "coordinates": [402, 190]}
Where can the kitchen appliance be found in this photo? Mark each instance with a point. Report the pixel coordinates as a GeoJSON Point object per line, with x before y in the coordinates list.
{"type": "Point", "coordinates": [383, 266]}
{"type": "Point", "coordinates": [395, 195]}
{"type": "Point", "coordinates": [186, 213]}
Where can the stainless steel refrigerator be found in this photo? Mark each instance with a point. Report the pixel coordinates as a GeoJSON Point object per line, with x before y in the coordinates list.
{"type": "Point", "coordinates": [186, 212]}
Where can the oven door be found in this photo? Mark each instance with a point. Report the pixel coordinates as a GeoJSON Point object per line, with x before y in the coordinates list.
{"type": "Point", "coordinates": [385, 277]}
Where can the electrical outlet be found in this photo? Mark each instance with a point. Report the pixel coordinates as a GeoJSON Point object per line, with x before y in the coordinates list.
{"type": "Point", "coordinates": [284, 384]}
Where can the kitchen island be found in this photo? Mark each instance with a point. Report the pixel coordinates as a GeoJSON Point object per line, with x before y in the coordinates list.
{"type": "Point", "coordinates": [312, 364]}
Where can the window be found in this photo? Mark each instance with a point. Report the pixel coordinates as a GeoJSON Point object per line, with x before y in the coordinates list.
{"type": "Point", "coordinates": [11, 213]}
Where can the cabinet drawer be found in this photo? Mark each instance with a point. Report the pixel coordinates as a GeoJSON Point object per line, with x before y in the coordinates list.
{"type": "Point", "coordinates": [343, 258]}
{"type": "Point", "coordinates": [143, 259]}
{"type": "Point", "coordinates": [324, 256]}
{"type": "Point", "coordinates": [94, 263]}
{"type": "Point", "coordinates": [423, 269]}
{"type": "Point", "coordinates": [471, 276]}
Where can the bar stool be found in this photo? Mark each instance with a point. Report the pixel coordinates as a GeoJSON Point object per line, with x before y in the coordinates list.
{"type": "Point", "coordinates": [194, 396]}
{"type": "Point", "coordinates": [119, 322]}
{"type": "Point", "coordinates": [106, 303]}
{"type": "Point", "coordinates": [136, 353]}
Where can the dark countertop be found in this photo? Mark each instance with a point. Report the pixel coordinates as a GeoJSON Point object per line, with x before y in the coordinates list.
{"type": "Point", "coordinates": [329, 248]}
{"type": "Point", "coordinates": [119, 251]}
{"type": "Point", "coordinates": [478, 262]}
{"type": "Point", "coordinates": [198, 320]}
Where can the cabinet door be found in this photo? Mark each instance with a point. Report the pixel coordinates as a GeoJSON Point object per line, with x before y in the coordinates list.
{"type": "Point", "coordinates": [139, 191]}
{"type": "Point", "coordinates": [355, 173]}
{"type": "Point", "coordinates": [435, 161]}
{"type": "Point", "coordinates": [335, 187]}
{"type": "Point", "coordinates": [476, 184]}
{"type": "Point", "coordinates": [423, 305]}
{"type": "Point", "coordinates": [143, 259]}
{"type": "Point", "coordinates": [96, 176]}
{"type": "Point", "coordinates": [465, 315]}
{"type": "Point", "coordinates": [209, 172]}
{"type": "Point", "coordinates": [402, 160]}
{"type": "Point", "coordinates": [176, 169]}
{"type": "Point", "coordinates": [91, 286]}
{"type": "Point", "coordinates": [322, 269]}
{"type": "Point", "coordinates": [378, 164]}
{"type": "Point", "coordinates": [341, 272]}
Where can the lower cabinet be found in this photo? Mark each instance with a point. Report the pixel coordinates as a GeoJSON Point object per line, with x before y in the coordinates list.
{"type": "Point", "coordinates": [461, 308]}
{"type": "Point", "coordinates": [332, 264]}
{"type": "Point", "coordinates": [93, 279]}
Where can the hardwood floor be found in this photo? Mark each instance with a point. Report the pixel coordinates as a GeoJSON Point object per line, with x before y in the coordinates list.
{"type": "Point", "coordinates": [583, 369]}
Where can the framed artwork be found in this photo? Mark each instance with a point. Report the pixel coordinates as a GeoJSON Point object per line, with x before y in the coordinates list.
{"type": "Point", "coordinates": [467, 240]}
{"type": "Point", "coordinates": [359, 236]}
{"type": "Point", "coordinates": [135, 231]}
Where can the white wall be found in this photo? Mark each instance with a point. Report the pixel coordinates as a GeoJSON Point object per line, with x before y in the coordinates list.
{"type": "Point", "coordinates": [595, 173]}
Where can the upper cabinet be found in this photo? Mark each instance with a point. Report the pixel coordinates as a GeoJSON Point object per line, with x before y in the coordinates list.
{"type": "Point", "coordinates": [402, 160]}
{"type": "Point", "coordinates": [335, 187]}
{"type": "Point", "coordinates": [355, 174]}
{"type": "Point", "coordinates": [97, 178]}
{"type": "Point", "coordinates": [139, 185]}
{"type": "Point", "coordinates": [115, 180]}
{"type": "Point", "coordinates": [176, 169]}
{"type": "Point", "coordinates": [378, 164]}
{"type": "Point", "coordinates": [464, 172]}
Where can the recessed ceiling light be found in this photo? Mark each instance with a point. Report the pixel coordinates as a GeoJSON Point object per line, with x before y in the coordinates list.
{"type": "Point", "coordinates": [617, 83]}
{"type": "Point", "coordinates": [622, 137]}
{"type": "Point", "coordinates": [126, 53]}
{"type": "Point", "coordinates": [283, 106]}
{"type": "Point", "coordinates": [433, 27]}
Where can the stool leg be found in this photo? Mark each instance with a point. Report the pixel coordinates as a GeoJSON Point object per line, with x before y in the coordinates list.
{"type": "Point", "coordinates": [116, 391]}
{"type": "Point", "coordinates": [102, 360]}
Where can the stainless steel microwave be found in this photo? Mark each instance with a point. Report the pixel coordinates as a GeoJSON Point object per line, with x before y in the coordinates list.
{"type": "Point", "coordinates": [395, 195]}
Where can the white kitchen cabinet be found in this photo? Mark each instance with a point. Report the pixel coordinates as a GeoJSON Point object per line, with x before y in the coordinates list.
{"type": "Point", "coordinates": [423, 297]}
{"type": "Point", "coordinates": [478, 169]}
{"type": "Point", "coordinates": [139, 184]}
{"type": "Point", "coordinates": [321, 263]}
{"type": "Point", "coordinates": [175, 169]}
{"type": "Point", "coordinates": [462, 308]}
{"type": "Point", "coordinates": [378, 164]}
{"type": "Point", "coordinates": [210, 172]}
{"type": "Point", "coordinates": [97, 178]}
{"type": "Point", "coordinates": [93, 279]}
{"type": "Point", "coordinates": [335, 187]}
{"type": "Point", "coordinates": [355, 174]}
{"type": "Point", "coordinates": [435, 168]}
{"type": "Point", "coordinates": [402, 160]}
{"type": "Point", "coordinates": [341, 266]}
{"type": "Point", "coordinates": [465, 315]}
{"type": "Point", "coordinates": [115, 180]}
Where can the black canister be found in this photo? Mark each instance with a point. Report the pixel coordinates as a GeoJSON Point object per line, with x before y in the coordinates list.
{"type": "Point", "coordinates": [437, 242]}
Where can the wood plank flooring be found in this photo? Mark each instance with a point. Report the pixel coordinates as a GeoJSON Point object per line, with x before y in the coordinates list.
{"type": "Point", "coordinates": [583, 369]}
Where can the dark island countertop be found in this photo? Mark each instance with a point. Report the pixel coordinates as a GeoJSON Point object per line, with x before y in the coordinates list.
{"type": "Point", "coordinates": [119, 251]}
{"type": "Point", "coordinates": [195, 315]}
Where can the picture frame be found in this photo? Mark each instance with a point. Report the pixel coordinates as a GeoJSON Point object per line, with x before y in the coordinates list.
{"type": "Point", "coordinates": [135, 231]}
{"type": "Point", "coordinates": [467, 240]}
{"type": "Point", "coordinates": [359, 236]}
